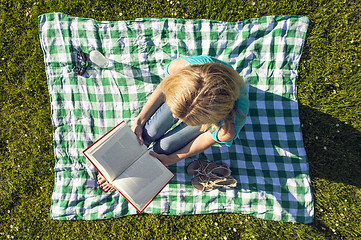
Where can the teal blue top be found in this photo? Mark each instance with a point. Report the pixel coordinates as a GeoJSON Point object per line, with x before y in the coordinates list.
{"type": "Point", "coordinates": [242, 102]}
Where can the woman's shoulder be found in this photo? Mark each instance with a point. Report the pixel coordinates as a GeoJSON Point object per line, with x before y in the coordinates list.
{"type": "Point", "coordinates": [227, 132]}
{"type": "Point", "coordinates": [176, 65]}
{"type": "Point", "coordinates": [182, 62]}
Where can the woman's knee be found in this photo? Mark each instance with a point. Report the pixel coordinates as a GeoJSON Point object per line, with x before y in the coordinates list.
{"type": "Point", "coordinates": [165, 147]}
{"type": "Point", "coordinates": [150, 133]}
{"type": "Point", "coordinates": [149, 136]}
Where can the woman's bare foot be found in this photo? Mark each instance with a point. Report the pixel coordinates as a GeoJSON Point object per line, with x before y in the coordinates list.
{"type": "Point", "coordinates": [104, 184]}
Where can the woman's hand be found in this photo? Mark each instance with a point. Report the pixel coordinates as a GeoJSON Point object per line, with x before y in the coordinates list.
{"type": "Point", "coordinates": [165, 159]}
{"type": "Point", "coordinates": [137, 128]}
{"type": "Point", "coordinates": [153, 103]}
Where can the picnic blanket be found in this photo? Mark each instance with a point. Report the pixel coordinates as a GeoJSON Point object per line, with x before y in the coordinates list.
{"type": "Point", "coordinates": [268, 160]}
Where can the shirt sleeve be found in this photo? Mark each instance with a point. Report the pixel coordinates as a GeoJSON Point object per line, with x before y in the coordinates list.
{"type": "Point", "coordinates": [201, 59]}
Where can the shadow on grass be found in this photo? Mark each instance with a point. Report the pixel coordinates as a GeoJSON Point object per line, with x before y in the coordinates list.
{"type": "Point", "coordinates": [333, 147]}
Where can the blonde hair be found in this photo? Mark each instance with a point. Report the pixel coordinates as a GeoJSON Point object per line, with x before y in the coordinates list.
{"type": "Point", "coordinates": [202, 95]}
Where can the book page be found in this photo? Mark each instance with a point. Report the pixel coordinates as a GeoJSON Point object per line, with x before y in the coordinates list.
{"type": "Point", "coordinates": [116, 152]}
{"type": "Point", "coordinates": [142, 181]}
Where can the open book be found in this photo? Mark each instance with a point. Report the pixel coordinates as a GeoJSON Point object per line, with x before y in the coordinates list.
{"type": "Point", "coordinates": [126, 165]}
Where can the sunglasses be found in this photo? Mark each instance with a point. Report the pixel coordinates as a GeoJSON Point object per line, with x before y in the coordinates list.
{"type": "Point", "coordinates": [81, 63]}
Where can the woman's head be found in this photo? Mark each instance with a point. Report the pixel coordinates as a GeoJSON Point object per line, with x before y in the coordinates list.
{"type": "Point", "coordinates": [202, 95]}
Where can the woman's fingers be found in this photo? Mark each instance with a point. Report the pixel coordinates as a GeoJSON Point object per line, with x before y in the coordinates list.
{"type": "Point", "coordinates": [138, 130]}
{"type": "Point", "coordinates": [140, 139]}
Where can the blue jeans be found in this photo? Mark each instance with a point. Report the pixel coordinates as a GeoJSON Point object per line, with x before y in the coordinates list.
{"type": "Point", "coordinates": [155, 130]}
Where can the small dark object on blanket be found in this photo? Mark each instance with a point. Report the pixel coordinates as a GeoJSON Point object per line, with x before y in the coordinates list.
{"type": "Point", "coordinates": [81, 64]}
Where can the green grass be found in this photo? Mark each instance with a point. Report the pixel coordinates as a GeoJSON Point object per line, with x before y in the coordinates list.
{"type": "Point", "coordinates": [329, 88]}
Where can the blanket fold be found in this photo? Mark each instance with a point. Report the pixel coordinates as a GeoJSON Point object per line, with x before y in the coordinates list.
{"type": "Point", "coordinates": [268, 160]}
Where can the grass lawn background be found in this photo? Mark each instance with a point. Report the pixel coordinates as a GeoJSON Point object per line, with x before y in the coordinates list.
{"type": "Point", "coordinates": [329, 88]}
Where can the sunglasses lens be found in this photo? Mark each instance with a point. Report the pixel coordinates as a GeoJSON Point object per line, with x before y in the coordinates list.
{"type": "Point", "coordinates": [81, 57]}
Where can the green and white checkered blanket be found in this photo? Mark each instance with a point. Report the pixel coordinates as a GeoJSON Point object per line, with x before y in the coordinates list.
{"type": "Point", "coordinates": [268, 159]}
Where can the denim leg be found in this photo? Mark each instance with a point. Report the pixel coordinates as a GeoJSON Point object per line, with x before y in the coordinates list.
{"type": "Point", "coordinates": [161, 121]}
{"type": "Point", "coordinates": [176, 139]}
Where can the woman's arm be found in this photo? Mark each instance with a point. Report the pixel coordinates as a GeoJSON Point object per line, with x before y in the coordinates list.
{"type": "Point", "coordinates": [153, 103]}
{"type": "Point", "coordinates": [198, 145]}
{"type": "Point", "coordinates": [155, 100]}
{"type": "Point", "coordinates": [157, 97]}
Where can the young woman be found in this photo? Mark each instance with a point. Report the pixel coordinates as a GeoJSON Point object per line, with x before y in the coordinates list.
{"type": "Point", "coordinates": [209, 98]}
